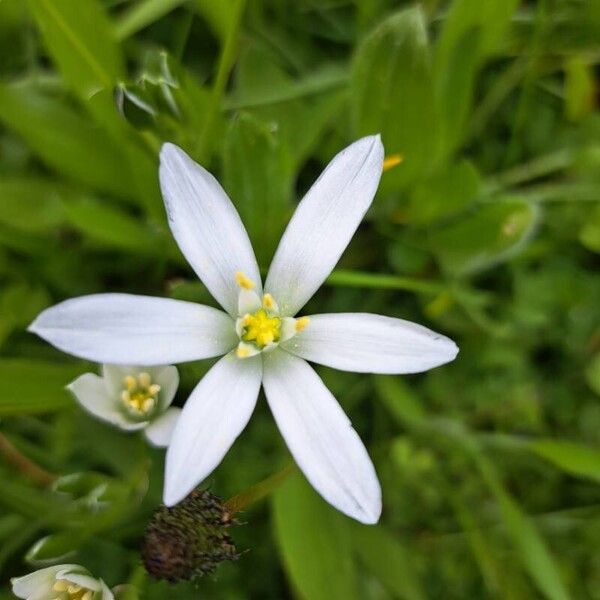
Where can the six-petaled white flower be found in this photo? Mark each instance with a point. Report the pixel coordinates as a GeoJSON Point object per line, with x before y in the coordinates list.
{"type": "Point", "coordinates": [259, 334]}
{"type": "Point", "coordinates": [132, 398]}
{"type": "Point", "coordinates": [61, 582]}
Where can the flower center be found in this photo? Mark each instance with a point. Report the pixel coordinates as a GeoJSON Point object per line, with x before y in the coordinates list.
{"type": "Point", "coordinates": [260, 326]}
{"type": "Point", "coordinates": [261, 329]}
{"type": "Point", "coordinates": [140, 395]}
{"type": "Point", "coordinates": [72, 591]}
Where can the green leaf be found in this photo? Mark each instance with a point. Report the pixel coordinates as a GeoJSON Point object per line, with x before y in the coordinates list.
{"type": "Point", "coordinates": [531, 547]}
{"type": "Point", "coordinates": [64, 140]}
{"type": "Point", "coordinates": [471, 33]}
{"type": "Point", "coordinates": [33, 386]}
{"type": "Point", "coordinates": [80, 41]}
{"type": "Point", "coordinates": [385, 556]}
{"type": "Point", "coordinates": [19, 304]}
{"type": "Point", "coordinates": [257, 178]}
{"type": "Point", "coordinates": [573, 458]}
{"type": "Point", "coordinates": [313, 540]}
{"type": "Point", "coordinates": [445, 193]}
{"type": "Point", "coordinates": [592, 373]}
{"type": "Point", "coordinates": [392, 92]}
{"type": "Point", "coordinates": [589, 235]}
{"type": "Point", "coordinates": [399, 400]}
{"type": "Point", "coordinates": [142, 14]}
{"type": "Point", "coordinates": [112, 227]}
{"type": "Point", "coordinates": [579, 88]}
{"type": "Point", "coordinates": [488, 236]}
{"type": "Point", "coordinates": [30, 204]}
{"type": "Point", "coordinates": [53, 548]}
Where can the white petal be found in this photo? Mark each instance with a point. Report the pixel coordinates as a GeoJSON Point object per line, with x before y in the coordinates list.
{"type": "Point", "coordinates": [126, 329]}
{"type": "Point", "coordinates": [37, 585]}
{"type": "Point", "coordinates": [248, 302]}
{"type": "Point", "coordinates": [321, 437]}
{"type": "Point", "coordinates": [324, 224]}
{"type": "Point", "coordinates": [92, 394]}
{"type": "Point", "coordinates": [206, 226]}
{"type": "Point", "coordinates": [168, 379]}
{"type": "Point", "coordinates": [160, 431]}
{"type": "Point", "coordinates": [367, 343]}
{"type": "Point", "coordinates": [212, 418]}
{"type": "Point", "coordinates": [82, 579]}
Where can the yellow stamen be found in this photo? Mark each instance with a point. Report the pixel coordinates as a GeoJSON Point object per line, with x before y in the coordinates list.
{"type": "Point", "coordinates": [130, 382]}
{"type": "Point", "coordinates": [242, 352]}
{"type": "Point", "coordinates": [261, 329]}
{"type": "Point", "coordinates": [73, 590]}
{"type": "Point", "coordinates": [301, 323]}
{"type": "Point", "coordinates": [243, 281]}
{"type": "Point", "coordinates": [392, 161]}
{"type": "Point", "coordinates": [268, 301]}
{"type": "Point", "coordinates": [140, 394]}
{"type": "Point", "coordinates": [144, 379]}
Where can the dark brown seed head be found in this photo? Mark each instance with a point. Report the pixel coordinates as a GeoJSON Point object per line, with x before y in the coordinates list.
{"type": "Point", "coordinates": [186, 541]}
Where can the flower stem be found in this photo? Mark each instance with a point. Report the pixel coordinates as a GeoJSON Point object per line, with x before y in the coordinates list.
{"type": "Point", "coordinates": [259, 490]}
{"type": "Point", "coordinates": [344, 278]}
{"type": "Point", "coordinates": [22, 463]}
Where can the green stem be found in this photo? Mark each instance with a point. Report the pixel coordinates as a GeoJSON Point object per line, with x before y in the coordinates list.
{"type": "Point", "coordinates": [382, 281]}
{"type": "Point", "coordinates": [259, 490]}
{"type": "Point", "coordinates": [226, 61]}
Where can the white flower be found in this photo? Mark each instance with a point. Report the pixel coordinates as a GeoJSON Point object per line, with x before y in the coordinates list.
{"type": "Point", "coordinates": [132, 398]}
{"type": "Point", "coordinates": [61, 582]}
{"type": "Point", "coordinates": [258, 334]}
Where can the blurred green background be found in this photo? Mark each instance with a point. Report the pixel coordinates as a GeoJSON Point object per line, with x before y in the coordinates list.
{"type": "Point", "coordinates": [489, 232]}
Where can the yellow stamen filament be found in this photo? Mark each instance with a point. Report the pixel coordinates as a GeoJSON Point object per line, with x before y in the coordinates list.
{"type": "Point", "coordinates": [73, 590]}
{"type": "Point", "coordinates": [243, 281]}
{"type": "Point", "coordinates": [268, 301]}
{"type": "Point", "coordinates": [392, 161]}
{"type": "Point", "coordinates": [261, 329]}
{"type": "Point", "coordinates": [301, 323]}
{"type": "Point", "coordinates": [139, 394]}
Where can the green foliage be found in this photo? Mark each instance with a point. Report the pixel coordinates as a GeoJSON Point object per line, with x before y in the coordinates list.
{"type": "Point", "coordinates": [488, 231]}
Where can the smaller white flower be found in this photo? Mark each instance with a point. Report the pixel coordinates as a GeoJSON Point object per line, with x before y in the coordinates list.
{"type": "Point", "coordinates": [132, 398]}
{"type": "Point", "coordinates": [61, 582]}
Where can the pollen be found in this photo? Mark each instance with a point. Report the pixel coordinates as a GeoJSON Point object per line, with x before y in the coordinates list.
{"type": "Point", "coordinates": [72, 590]}
{"type": "Point", "coordinates": [140, 395]}
{"type": "Point", "coordinates": [392, 161]}
{"type": "Point", "coordinates": [301, 323]}
{"type": "Point", "coordinates": [244, 282]}
{"type": "Point", "coordinates": [268, 301]}
{"type": "Point", "coordinates": [261, 329]}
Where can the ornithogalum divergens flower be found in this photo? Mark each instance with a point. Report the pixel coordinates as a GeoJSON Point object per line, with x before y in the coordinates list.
{"type": "Point", "coordinates": [61, 582]}
{"type": "Point", "coordinates": [132, 398]}
{"type": "Point", "coordinates": [262, 339]}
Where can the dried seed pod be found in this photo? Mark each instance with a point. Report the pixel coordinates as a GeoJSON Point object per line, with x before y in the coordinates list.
{"type": "Point", "coordinates": [188, 540]}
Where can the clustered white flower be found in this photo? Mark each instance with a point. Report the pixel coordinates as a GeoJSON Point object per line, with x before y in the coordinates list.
{"type": "Point", "coordinates": [262, 340]}
{"type": "Point", "coordinates": [132, 398]}
{"type": "Point", "coordinates": [61, 582]}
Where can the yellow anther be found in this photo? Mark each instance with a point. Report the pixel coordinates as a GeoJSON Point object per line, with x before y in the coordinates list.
{"type": "Point", "coordinates": [243, 281]}
{"type": "Point", "coordinates": [154, 389]}
{"type": "Point", "coordinates": [73, 590]}
{"type": "Point", "coordinates": [60, 586]}
{"type": "Point", "coordinates": [268, 301]}
{"type": "Point", "coordinates": [130, 382]}
{"type": "Point", "coordinates": [301, 323]}
{"type": "Point", "coordinates": [392, 161]}
{"type": "Point", "coordinates": [140, 395]}
{"type": "Point", "coordinates": [242, 352]}
{"type": "Point", "coordinates": [144, 379]}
